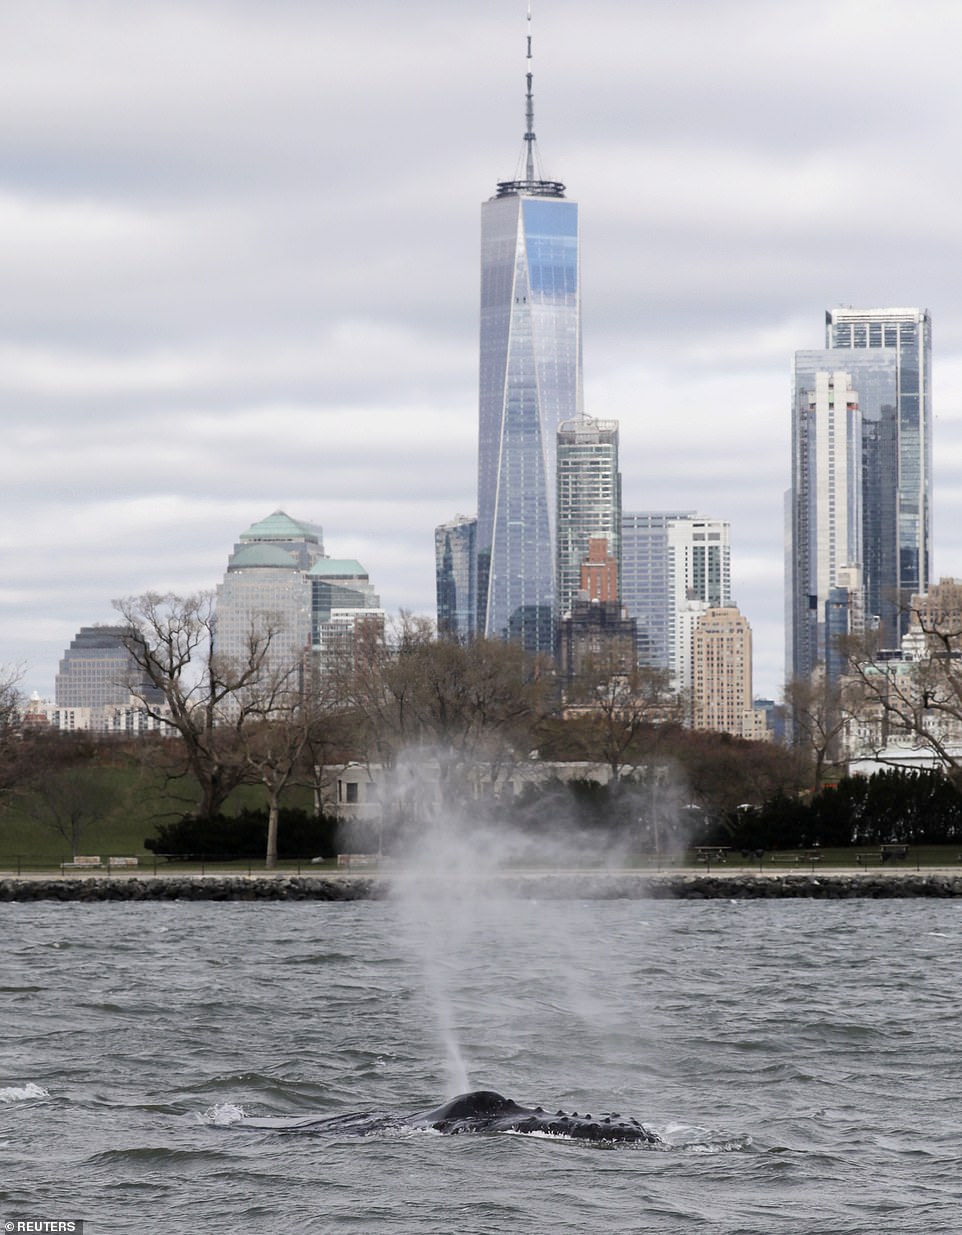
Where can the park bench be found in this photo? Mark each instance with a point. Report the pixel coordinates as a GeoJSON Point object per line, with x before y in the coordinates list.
{"type": "Point", "coordinates": [886, 853]}
{"type": "Point", "coordinates": [82, 863]}
{"type": "Point", "coordinates": [349, 860]}
{"type": "Point", "coordinates": [711, 853]}
{"type": "Point", "coordinates": [114, 862]}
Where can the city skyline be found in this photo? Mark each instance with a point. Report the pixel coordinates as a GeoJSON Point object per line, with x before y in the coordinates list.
{"type": "Point", "coordinates": [225, 231]}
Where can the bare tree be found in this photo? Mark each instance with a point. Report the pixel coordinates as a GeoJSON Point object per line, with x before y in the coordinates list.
{"type": "Point", "coordinates": [916, 698]}
{"type": "Point", "coordinates": [11, 702]}
{"type": "Point", "coordinates": [822, 712]}
{"type": "Point", "coordinates": [622, 714]}
{"type": "Point", "coordinates": [467, 706]}
{"type": "Point", "coordinates": [295, 725]}
{"type": "Point", "coordinates": [208, 698]}
{"type": "Point", "coordinates": [70, 800]}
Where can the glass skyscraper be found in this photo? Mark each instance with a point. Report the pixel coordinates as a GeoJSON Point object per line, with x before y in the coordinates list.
{"type": "Point", "coordinates": [645, 589]}
{"type": "Point", "coordinates": [530, 382]}
{"type": "Point", "coordinates": [589, 499]}
{"type": "Point", "coordinates": [885, 356]}
{"type": "Point", "coordinates": [898, 453]}
{"type": "Point", "coordinates": [671, 559]}
{"type": "Point", "coordinates": [456, 564]}
{"type": "Point", "coordinates": [825, 541]}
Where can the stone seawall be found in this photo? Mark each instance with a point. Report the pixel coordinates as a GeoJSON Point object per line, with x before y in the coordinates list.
{"type": "Point", "coordinates": [554, 886]}
{"type": "Point", "coordinates": [191, 888]}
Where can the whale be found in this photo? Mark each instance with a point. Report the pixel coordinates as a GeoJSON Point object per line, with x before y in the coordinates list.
{"type": "Point", "coordinates": [480, 1112]}
{"type": "Point", "coordinates": [485, 1111]}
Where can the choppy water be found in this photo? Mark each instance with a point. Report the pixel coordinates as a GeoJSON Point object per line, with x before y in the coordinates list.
{"type": "Point", "coordinates": [802, 1060]}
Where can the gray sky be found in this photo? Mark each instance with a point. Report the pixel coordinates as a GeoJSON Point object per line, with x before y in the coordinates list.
{"type": "Point", "coordinates": [240, 267]}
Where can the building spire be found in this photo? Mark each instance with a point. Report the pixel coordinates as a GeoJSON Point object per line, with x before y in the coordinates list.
{"type": "Point", "coordinates": [531, 181]}
{"type": "Point", "coordinates": [529, 136]}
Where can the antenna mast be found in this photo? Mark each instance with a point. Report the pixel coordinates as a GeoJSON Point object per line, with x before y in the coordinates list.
{"type": "Point", "coordinates": [529, 109]}
{"type": "Point", "coordinates": [532, 182]}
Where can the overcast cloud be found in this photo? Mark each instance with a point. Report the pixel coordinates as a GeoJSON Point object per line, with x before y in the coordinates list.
{"type": "Point", "coordinates": [240, 267]}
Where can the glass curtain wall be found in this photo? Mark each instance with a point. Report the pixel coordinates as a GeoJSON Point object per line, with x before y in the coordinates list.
{"type": "Point", "coordinates": [530, 381]}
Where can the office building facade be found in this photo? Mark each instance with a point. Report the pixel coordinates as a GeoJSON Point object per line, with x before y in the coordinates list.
{"type": "Point", "coordinates": [97, 671]}
{"type": "Point", "coordinates": [699, 577]}
{"type": "Point", "coordinates": [456, 578]}
{"type": "Point", "coordinates": [265, 594]}
{"type": "Point", "coordinates": [885, 357]}
{"type": "Point", "coordinates": [674, 565]}
{"type": "Point", "coordinates": [345, 611]}
{"type": "Point", "coordinates": [589, 500]}
{"type": "Point", "coordinates": [897, 447]}
{"type": "Point", "coordinates": [721, 691]}
{"type": "Point", "coordinates": [599, 573]}
{"type": "Point", "coordinates": [826, 542]}
{"type": "Point", "coordinates": [530, 383]}
{"type": "Point", "coordinates": [279, 581]}
{"type": "Point", "coordinates": [264, 599]}
{"type": "Point", "coordinates": [596, 644]}
{"type": "Point", "coordinates": [644, 581]}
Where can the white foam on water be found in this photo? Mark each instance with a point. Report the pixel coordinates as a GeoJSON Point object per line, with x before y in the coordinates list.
{"type": "Point", "coordinates": [23, 1093]}
{"type": "Point", "coordinates": [223, 1115]}
{"type": "Point", "coordinates": [696, 1140]}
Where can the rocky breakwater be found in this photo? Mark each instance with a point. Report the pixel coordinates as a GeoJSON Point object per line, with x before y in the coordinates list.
{"type": "Point", "coordinates": [838, 885]}
{"type": "Point", "coordinates": [560, 885]}
{"type": "Point", "coordinates": [190, 888]}
{"type": "Point", "coordinates": [690, 885]}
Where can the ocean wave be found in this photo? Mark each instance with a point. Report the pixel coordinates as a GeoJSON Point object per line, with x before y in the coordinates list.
{"type": "Point", "coordinates": [223, 1114]}
{"type": "Point", "coordinates": [22, 1093]}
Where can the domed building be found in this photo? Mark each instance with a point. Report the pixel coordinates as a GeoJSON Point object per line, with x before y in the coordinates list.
{"type": "Point", "coordinates": [266, 592]}
{"type": "Point", "coordinates": [279, 581]}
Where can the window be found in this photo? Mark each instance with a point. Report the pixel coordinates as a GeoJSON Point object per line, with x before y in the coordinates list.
{"type": "Point", "coordinates": [347, 791]}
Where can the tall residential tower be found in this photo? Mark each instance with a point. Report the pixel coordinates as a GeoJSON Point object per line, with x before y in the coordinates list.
{"type": "Point", "coordinates": [675, 566]}
{"type": "Point", "coordinates": [456, 578]}
{"type": "Point", "coordinates": [897, 451]}
{"type": "Point", "coordinates": [530, 382]}
{"type": "Point", "coordinates": [826, 531]}
{"type": "Point", "coordinates": [859, 512]}
{"type": "Point", "coordinates": [589, 500]}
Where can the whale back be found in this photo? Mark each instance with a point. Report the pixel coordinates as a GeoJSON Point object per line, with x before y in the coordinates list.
{"type": "Point", "coordinates": [484, 1110]}
{"type": "Point", "coordinates": [480, 1111]}
{"type": "Point", "coordinates": [479, 1104]}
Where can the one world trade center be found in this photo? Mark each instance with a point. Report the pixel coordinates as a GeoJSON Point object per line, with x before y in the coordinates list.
{"type": "Point", "coordinates": [530, 382]}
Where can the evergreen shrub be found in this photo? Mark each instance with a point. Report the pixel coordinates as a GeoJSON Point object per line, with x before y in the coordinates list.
{"type": "Point", "coordinates": [225, 838]}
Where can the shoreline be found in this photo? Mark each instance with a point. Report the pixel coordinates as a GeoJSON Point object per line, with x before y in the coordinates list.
{"type": "Point", "coordinates": [561, 885]}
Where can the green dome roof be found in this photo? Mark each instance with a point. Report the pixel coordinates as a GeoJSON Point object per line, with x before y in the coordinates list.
{"type": "Point", "coordinates": [261, 555]}
{"type": "Point", "coordinates": [338, 568]}
{"type": "Point", "coordinates": [280, 526]}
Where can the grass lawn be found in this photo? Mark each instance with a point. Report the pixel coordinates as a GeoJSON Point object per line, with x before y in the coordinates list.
{"type": "Point", "coordinates": [919, 857]}
{"type": "Point", "coordinates": [134, 800]}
